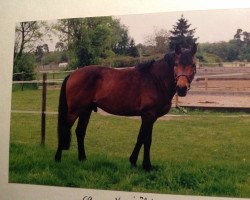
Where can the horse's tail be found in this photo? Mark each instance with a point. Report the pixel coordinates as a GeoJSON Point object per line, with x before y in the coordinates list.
{"type": "Point", "coordinates": [63, 129]}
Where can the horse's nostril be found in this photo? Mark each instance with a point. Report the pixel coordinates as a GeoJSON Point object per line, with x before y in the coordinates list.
{"type": "Point", "coordinates": [181, 88]}
{"type": "Point", "coordinates": [181, 91]}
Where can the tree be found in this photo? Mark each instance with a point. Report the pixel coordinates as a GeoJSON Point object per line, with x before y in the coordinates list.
{"type": "Point", "coordinates": [158, 41]}
{"type": "Point", "coordinates": [132, 50]}
{"type": "Point", "coordinates": [182, 34]}
{"type": "Point", "coordinates": [24, 67]}
{"type": "Point", "coordinates": [60, 46]}
{"type": "Point", "coordinates": [40, 50]}
{"type": "Point", "coordinates": [27, 36]}
{"type": "Point", "coordinates": [238, 35]}
{"type": "Point", "coordinates": [241, 45]}
{"type": "Point", "coordinates": [90, 39]}
{"type": "Point", "coordinates": [121, 42]}
{"type": "Point", "coordinates": [81, 38]}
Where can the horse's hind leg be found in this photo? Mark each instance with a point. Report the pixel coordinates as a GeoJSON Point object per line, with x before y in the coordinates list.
{"type": "Point", "coordinates": [64, 135]}
{"type": "Point", "coordinates": [81, 132]}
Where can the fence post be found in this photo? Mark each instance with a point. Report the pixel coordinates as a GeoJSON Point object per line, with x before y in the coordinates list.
{"type": "Point", "coordinates": [176, 100]}
{"type": "Point", "coordinates": [43, 122]}
{"type": "Point", "coordinates": [206, 83]}
{"type": "Point", "coordinates": [22, 78]}
{"type": "Point", "coordinates": [37, 77]}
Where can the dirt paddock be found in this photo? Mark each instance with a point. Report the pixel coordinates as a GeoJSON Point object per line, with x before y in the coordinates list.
{"type": "Point", "coordinates": [219, 87]}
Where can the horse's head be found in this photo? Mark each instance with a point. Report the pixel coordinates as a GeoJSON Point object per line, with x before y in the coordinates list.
{"type": "Point", "coordinates": [184, 69]}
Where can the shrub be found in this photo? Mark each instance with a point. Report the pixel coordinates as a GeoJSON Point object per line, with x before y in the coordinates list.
{"type": "Point", "coordinates": [23, 68]}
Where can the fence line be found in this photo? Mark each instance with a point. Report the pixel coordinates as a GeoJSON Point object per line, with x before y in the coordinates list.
{"type": "Point", "coordinates": [39, 81]}
{"type": "Point", "coordinates": [225, 64]}
{"type": "Point", "coordinates": [42, 72]}
{"type": "Point", "coordinates": [203, 81]}
{"type": "Point", "coordinates": [34, 112]}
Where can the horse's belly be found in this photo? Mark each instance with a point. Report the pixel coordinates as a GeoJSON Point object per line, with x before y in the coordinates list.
{"type": "Point", "coordinates": [119, 105]}
{"type": "Point", "coordinates": [120, 112]}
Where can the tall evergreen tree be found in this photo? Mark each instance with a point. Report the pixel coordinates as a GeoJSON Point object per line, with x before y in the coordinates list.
{"type": "Point", "coordinates": [182, 34]}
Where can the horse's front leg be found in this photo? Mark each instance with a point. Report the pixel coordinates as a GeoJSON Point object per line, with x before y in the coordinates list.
{"type": "Point", "coordinates": [144, 137]}
{"type": "Point", "coordinates": [134, 156]}
{"type": "Point", "coordinates": [147, 127]}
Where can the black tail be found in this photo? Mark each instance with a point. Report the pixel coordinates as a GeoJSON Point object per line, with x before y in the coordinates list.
{"type": "Point", "coordinates": [63, 129]}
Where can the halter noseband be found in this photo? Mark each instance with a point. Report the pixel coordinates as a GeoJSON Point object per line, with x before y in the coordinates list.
{"type": "Point", "coordinates": [188, 78]}
{"type": "Point", "coordinates": [177, 77]}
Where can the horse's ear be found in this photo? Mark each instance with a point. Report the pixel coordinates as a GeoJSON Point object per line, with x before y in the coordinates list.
{"type": "Point", "coordinates": [194, 48]}
{"type": "Point", "coordinates": [177, 49]}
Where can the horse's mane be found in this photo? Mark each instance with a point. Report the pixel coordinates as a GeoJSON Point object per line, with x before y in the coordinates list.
{"type": "Point", "coordinates": [170, 59]}
{"type": "Point", "coordinates": [145, 65]}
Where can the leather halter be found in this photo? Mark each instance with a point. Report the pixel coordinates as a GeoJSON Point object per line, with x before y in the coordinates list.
{"type": "Point", "coordinates": [177, 77]}
{"type": "Point", "coordinates": [188, 78]}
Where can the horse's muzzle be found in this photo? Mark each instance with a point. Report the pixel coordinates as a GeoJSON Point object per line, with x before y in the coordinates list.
{"type": "Point", "coordinates": [181, 91]}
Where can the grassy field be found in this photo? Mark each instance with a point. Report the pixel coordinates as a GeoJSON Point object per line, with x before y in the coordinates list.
{"type": "Point", "coordinates": [195, 154]}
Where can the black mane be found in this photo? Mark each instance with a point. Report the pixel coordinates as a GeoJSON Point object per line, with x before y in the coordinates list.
{"type": "Point", "coordinates": [145, 65]}
{"type": "Point", "coordinates": [186, 57]}
{"type": "Point", "coordinates": [170, 59]}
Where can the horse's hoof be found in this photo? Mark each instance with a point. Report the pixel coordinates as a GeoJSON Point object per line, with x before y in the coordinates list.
{"type": "Point", "coordinates": [147, 167]}
{"type": "Point", "coordinates": [58, 157]}
{"type": "Point", "coordinates": [132, 161]}
{"type": "Point", "coordinates": [82, 159]}
{"type": "Point", "coordinates": [133, 165]}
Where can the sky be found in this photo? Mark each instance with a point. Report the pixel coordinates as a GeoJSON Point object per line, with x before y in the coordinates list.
{"type": "Point", "coordinates": [211, 25]}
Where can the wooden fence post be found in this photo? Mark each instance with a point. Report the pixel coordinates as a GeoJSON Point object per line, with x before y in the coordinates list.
{"type": "Point", "coordinates": [37, 77]}
{"type": "Point", "coordinates": [43, 121]}
{"type": "Point", "coordinates": [206, 83]}
{"type": "Point", "coordinates": [176, 100]}
{"type": "Point", "coordinates": [22, 79]}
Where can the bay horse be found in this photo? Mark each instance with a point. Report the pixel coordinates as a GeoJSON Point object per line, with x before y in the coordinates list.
{"type": "Point", "coordinates": [145, 90]}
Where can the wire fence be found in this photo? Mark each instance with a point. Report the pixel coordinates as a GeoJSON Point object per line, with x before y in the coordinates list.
{"type": "Point", "coordinates": [235, 81]}
{"type": "Point", "coordinates": [20, 81]}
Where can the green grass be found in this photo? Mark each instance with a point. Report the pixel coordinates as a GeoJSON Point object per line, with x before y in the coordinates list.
{"type": "Point", "coordinates": [25, 86]}
{"type": "Point", "coordinates": [198, 154]}
{"type": "Point", "coordinates": [31, 100]}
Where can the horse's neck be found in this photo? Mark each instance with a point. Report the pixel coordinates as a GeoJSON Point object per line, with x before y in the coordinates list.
{"type": "Point", "coordinates": [163, 72]}
{"type": "Point", "coordinates": [164, 77]}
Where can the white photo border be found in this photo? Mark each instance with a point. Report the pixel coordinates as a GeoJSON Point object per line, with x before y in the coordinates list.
{"type": "Point", "coordinates": [15, 11]}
